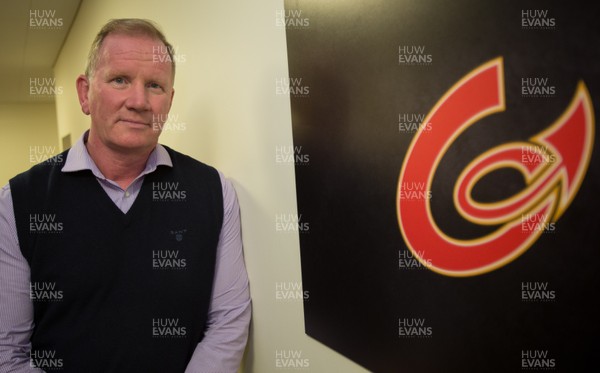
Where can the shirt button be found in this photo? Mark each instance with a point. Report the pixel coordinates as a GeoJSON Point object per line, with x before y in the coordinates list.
{"type": "Point", "coordinates": [127, 193]}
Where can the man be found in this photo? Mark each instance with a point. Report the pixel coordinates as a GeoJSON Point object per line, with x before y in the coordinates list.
{"type": "Point", "coordinates": [150, 280]}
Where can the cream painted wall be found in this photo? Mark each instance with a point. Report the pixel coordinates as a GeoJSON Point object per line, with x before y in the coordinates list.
{"type": "Point", "coordinates": [226, 113]}
{"type": "Point", "coordinates": [29, 136]}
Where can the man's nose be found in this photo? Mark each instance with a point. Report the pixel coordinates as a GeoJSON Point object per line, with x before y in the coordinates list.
{"type": "Point", "coordinates": [138, 98]}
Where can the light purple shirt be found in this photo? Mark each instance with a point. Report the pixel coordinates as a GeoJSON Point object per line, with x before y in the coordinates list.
{"type": "Point", "coordinates": [229, 313]}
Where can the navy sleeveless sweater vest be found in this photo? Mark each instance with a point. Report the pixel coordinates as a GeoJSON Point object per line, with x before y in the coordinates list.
{"type": "Point", "coordinates": [116, 292]}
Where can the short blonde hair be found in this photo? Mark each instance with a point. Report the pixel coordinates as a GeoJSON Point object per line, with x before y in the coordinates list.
{"type": "Point", "coordinates": [131, 27]}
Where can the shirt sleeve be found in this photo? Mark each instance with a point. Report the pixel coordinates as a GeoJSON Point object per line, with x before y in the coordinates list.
{"type": "Point", "coordinates": [16, 307]}
{"type": "Point", "coordinates": [229, 312]}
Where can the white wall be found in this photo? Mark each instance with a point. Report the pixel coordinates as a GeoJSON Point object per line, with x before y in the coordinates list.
{"type": "Point", "coordinates": [229, 116]}
{"type": "Point", "coordinates": [28, 137]}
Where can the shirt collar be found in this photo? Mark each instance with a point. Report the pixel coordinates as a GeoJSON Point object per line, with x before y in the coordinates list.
{"type": "Point", "coordinates": [79, 159]}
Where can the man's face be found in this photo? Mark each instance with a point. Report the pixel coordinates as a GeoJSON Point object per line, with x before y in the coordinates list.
{"type": "Point", "coordinates": [129, 94]}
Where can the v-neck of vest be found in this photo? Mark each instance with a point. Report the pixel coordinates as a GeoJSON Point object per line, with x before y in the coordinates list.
{"type": "Point", "coordinates": [126, 217]}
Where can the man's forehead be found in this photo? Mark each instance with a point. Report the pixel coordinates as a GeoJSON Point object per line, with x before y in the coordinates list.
{"type": "Point", "coordinates": [132, 42]}
{"type": "Point", "coordinates": [118, 51]}
{"type": "Point", "coordinates": [134, 47]}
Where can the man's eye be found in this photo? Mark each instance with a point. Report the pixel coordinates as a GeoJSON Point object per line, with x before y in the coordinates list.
{"type": "Point", "coordinates": [119, 80]}
{"type": "Point", "coordinates": [154, 86]}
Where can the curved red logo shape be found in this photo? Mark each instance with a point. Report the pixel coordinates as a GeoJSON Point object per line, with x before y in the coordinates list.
{"type": "Point", "coordinates": [553, 164]}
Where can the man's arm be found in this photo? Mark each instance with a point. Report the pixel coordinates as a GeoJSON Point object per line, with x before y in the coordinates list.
{"type": "Point", "coordinates": [16, 308]}
{"type": "Point", "coordinates": [223, 345]}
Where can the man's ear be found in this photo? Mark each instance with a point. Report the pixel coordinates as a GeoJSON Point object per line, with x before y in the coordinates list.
{"type": "Point", "coordinates": [83, 88]}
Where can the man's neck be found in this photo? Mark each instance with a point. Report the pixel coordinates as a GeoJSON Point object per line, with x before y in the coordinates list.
{"type": "Point", "coordinates": [120, 167]}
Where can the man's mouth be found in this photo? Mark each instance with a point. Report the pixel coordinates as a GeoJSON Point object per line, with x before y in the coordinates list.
{"type": "Point", "coordinates": [134, 122]}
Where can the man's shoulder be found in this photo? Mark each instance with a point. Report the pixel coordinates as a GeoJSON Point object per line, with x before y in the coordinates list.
{"type": "Point", "coordinates": [181, 160]}
{"type": "Point", "coordinates": [197, 174]}
{"type": "Point", "coordinates": [40, 171]}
